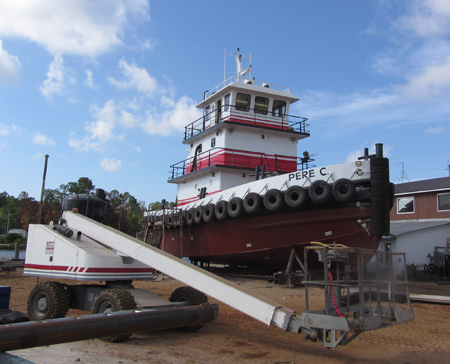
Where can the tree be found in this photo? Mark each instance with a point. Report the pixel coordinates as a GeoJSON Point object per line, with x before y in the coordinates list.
{"type": "Point", "coordinates": [9, 213]}
{"type": "Point", "coordinates": [83, 186]}
{"type": "Point", "coordinates": [29, 209]}
{"type": "Point", "coordinates": [51, 206]}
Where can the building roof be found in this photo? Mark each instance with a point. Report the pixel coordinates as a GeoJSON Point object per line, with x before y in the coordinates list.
{"type": "Point", "coordinates": [427, 185]}
{"type": "Point", "coordinates": [403, 227]}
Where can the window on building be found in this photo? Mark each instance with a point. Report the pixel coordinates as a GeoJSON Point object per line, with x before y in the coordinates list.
{"type": "Point", "coordinates": [279, 108]}
{"type": "Point", "coordinates": [243, 102]}
{"type": "Point", "coordinates": [226, 107]}
{"type": "Point", "coordinates": [443, 202]}
{"type": "Point", "coordinates": [405, 205]}
{"type": "Point", "coordinates": [261, 105]}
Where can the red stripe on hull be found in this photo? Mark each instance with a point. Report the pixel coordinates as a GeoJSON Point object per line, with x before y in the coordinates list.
{"type": "Point", "coordinates": [267, 240]}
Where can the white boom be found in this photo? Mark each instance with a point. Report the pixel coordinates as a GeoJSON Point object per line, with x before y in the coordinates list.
{"type": "Point", "coordinates": [254, 305]}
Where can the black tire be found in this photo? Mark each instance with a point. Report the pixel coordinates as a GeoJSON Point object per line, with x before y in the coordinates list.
{"type": "Point", "coordinates": [221, 210]}
{"type": "Point", "coordinates": [253, 203]}
{"type": "Point", "coordinates": [391, 195]}
{"type": "Point", "coordinates": [296, 197]}
{"type": "Point", "coordinates": [198, 215]}
{"type": "Point", "coordinates": [48, 300]}
{"type": "Point", "coordinates": [343, 190]}
{"type": "Point", "coordinates": [190, 216]}
{"type": "Point", "coordinates": [193, 297]}
{"type": "Point", "coordinates": [183, 217]}
{"type": "Point", "coordinates": [273, 200]}
{"type": "Point", "coordinates": [112, 300]}
{"type": "Point", "coordinates": [320, 191]}
{"type": "Point", "coordinates": [209, 213]}
{"type": "Point", "coordinates": [235, 207]}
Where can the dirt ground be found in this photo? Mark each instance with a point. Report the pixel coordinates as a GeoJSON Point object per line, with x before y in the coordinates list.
{"type": "Point", "coordinates": [237, 338]}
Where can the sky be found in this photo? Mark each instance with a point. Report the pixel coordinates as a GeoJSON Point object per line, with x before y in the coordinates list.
{"type": "Point", "coordinates": [106, 87]}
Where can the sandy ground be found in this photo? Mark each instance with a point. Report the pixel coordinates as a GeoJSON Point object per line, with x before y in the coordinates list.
{"type": "Point", "coordinates": [237, 338]}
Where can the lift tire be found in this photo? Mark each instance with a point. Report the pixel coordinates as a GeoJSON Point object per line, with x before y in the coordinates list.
{"type": "Point", "coordinates": [221, 210]}
{"type": "Point", "coordinates": [253, 203]}
{"type": "Point", "coordinates": [273, 200]}
{"type": "Point", "coordinates": [198, 215]}
{"type": "Point", "coordinates": [209, 213]}
{"type": "Point", "coordinates": [190, 216]}
{"type": "Point", "coordinates": [320, 191]}
{"type": "Point", "coordinates": [343, 190]}
{"type": "Point", "coordinates": [112, 300]}
{"type": "Point", "coordinates": [296, 197]}
{"type": "Point", "coordinates": [193, 297]}
{"type": "Point", "coordinates": [235, 207]}
{"type": "Point", "coordinates": [48, 300]}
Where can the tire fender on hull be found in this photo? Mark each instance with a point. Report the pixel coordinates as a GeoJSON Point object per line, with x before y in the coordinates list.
{"type": "Point", "coordinates": [343, 190]}
{"type": "Point", "coordinates": [235, 207]}
{"type": "Point", "coordinates": [273, 200]}
{"type": "Point", "coordinates": [253, 203]}
{"type": "Point", "coordinates": [198, 215]}
{"type": "Point", "coordinates": [190, 216]}
{"type": "Point", "coordinates": [221, 210]}
{"type": "Point", "coordinates": [296, 197]}
{"type": "Point", "coordinates": [320, 191]}
{"type": "Point", "coordinates": [209, 212]}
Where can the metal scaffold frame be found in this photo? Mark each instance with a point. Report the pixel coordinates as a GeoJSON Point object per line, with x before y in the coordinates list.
{"type": "Point", "coordinates": [355, 302]}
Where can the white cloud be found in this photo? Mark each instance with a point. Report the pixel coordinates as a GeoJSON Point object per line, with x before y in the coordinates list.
{"type": "Point", "coordinates": [426, 18]}
{"type": "Point", "coordinates": [128, 120]}
{"type": "Point", "coordinates": [102, 128]}
{"type": "Point", "coordinates": [176, 118]}
{"type": "Point", "coordinates": [436, 129]}
{"type": "Point", "coordinates": [85, 145]}
{"type": "Point", "coordinates": [9, 65]}
{"type": "Point", "coordinates": [89, 80]}
{"type": "Point", "coordinates": [4, 130]}
{"type": "Point", "coordinates": [81, 27]}
{"type": "Point", "coordinates": [110, 164]}
{"type": "Point", "coordinates": [100, 131]}
{"type": "Point", "coordinates": [135, 78]}
{"type": "Point", "coordinates": [321, 104]}
{"type": "Point", "coordinates": [433, 80]}
{"type": "Point", "coordinates": [38, 138]}
{"type": "Point", "coordinates": [421, 51]}
{"type": "Point", "coordinates": [55, 78]}
{"type": "Point", "coordinates": [37, 157]}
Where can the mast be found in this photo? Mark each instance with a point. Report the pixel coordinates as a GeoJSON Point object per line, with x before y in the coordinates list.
{"type": "Point", "coordinates": [240, 72]}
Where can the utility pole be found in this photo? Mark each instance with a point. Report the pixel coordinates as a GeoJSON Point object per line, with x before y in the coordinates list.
{"type": "Point", "coordinates": [42, 191]}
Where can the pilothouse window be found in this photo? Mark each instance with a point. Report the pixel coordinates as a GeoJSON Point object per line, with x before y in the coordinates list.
{"type": "Point", "coordinates": [261, 105]}
{"type": "Point", "coordinates": [243, 102]}
{"type": "Point", "coordinates": [279, 108]}
{"type": "Point", "coordinates": [226, 107]}
{"type": "Point", "coordinates": [207, 113]}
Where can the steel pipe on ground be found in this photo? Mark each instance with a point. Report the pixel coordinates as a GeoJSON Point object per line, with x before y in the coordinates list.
{"type": "Point", "coordinates": [41, 333]}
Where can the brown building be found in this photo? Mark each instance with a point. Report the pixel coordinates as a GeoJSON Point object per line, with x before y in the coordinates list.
{"type": "Point", "coordinates": [420, 220]}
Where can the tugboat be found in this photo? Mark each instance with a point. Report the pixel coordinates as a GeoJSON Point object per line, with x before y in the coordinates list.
{"type": "Point", "coordinates": [244, 197]}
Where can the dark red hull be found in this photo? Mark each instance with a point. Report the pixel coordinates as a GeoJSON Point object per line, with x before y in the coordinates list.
{"type": "Point", "coordinates": [266, 241]}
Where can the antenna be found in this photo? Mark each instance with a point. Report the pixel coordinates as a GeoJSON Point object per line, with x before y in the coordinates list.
{"type": "Point", "coordinates": [403, 174]}
{"type": "Point", "coordinates": [448, 166]}
{"type": "Point", "coordinates": [240, 72]}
